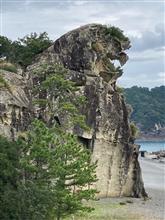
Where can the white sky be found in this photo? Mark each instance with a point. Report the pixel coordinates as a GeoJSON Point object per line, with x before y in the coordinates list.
{"type": "Point", "coordinates": [141, 20]}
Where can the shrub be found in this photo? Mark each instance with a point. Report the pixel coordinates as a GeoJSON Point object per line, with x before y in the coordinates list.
{"type": "Point", "coordinates": [8, 66]}
{"type": "Point", "coordinates": [115, 32]}
{"type": "Point", "coordinates": [23, 51]}
{"type": "Point", "coordinates": [119, 89]}
{"type": "Point", "coordinates": [134, 130]}
{"type": "Point", "coordinates": [3, 83]}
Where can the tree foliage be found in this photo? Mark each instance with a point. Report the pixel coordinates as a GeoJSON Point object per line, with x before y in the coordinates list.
{"type": "Point", "coordinates": [8, 66]}
{"type": "Point", "coordinates": [9, 175]}
{"type": "Point", "coordinates": [65, 166]}
{"type": "Point", "coordinates": [24, 50]}
{"type": "Point", "coordinates": [45, 176]}
{"type": "Point", "coordinates": [52, 172]}
{"type": "Point", "coordinates": [148, 106]}
{"type": "Point", "coordinates": [4, 83]}
{"type": "Point", "coordinates": [116, 33]}
{"type": "Point", "coordinates": [58, 95]}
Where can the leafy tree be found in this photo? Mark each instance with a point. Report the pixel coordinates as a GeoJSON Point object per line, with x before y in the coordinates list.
{"type": "Point", "coordinates": [5, 47]}
{"type": "Point", "coordinates": [24, 50]}
{"type": "Point", "coordinates": [148, 106]}
{"type": "Point", "coordinates": [29, 46]}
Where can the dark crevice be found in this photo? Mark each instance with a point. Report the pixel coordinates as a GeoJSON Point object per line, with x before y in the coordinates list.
{"type": "Point", "coordinates": [57, 120]}
{"type": "Point", "coordinates": [87, 143]}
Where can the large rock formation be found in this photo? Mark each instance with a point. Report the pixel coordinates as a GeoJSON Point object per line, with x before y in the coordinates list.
{"type": "Point", "coordinates": [14, 104]}
{"type": "Point", "coordinates": [88, 54]}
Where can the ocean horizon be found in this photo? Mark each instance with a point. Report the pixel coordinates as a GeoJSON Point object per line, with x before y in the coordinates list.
{"type": "Point", "coordinates": [151, 146]}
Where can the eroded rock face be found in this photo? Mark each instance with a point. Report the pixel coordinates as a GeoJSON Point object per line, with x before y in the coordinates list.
{"type": "Point", "coordinates": [88, 54]}
{"type": "Point", "coordinates": [14, 105]}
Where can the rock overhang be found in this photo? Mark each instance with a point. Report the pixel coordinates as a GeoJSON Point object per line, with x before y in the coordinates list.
{"type": "Point", "coordinates": [84, 48]}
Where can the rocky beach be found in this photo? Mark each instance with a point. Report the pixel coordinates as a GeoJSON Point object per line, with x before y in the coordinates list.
{"type": "Point", "coordinates": [153, 207]}
{"type": "Point", "coordinates": [127, 208]}
{"type": "Point", "coordinates": [153, 172]}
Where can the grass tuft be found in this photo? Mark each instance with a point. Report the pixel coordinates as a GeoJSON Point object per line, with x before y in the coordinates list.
{"type": "Point", "coordinates": [4, 65]}
{"type": "Point", "coordinates": [105, 210]}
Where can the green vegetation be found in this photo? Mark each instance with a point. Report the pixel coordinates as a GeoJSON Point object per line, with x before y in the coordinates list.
{"type": "Point", "coordinates": [44, 176]}
{"type": "Point", "coordinates": [115, 33]}
{"type": "Point", "coordinates": [59, 98]}
{"type": "Point", "coordinates": [8, 66]}
{"type": "Point", "coordinates": [3, 83]}
{"type": "Point", "coordinates": [148, 106]}
{"type": "Point", "coordinates": [9, 174]}
{"type": "Point", "coordinates": [24, 50]}
{"type": "Point", "coordinates": [119, 89]}
{"type": "Point", "coordinates": [107, 210]}
{"type": "Point", "coordinates": [134, 130]}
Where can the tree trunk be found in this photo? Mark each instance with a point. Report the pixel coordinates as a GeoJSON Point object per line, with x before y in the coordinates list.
{"type": "Point", "coordinates": [58, 214]}
{"type": "Point", "coordinates": [58, 217]}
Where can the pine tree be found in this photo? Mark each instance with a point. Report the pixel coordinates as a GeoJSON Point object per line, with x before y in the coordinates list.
{"type": "Point", "coordinates": [53, 173]}
{"type": "Point", "coordinates": [9, 175]}
{"type": "Point", "coordinates": [59, 170]}
{"type": "Point", "coordinates": [23, 51]}
{"type": "Point", "coordinates": [58, 96]}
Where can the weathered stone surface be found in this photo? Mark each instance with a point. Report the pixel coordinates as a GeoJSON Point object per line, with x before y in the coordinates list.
{"type": "Point", "coordinates": [88, 54]}
{"type": "Point", "coordinates": [14, 105]}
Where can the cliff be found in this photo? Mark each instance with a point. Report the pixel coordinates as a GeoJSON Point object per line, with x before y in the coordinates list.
{"type": "Point", "coordinates": [88, 53]}
{"type": "Point", "coordinates": [14, 104]}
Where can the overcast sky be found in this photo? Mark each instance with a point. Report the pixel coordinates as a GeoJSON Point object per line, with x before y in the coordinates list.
{"type": "Point", "coordinates": [142, 21]}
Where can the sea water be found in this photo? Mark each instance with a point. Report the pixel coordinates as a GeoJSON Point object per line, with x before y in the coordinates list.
{"type": "Point", "coordinates": [151, 146]}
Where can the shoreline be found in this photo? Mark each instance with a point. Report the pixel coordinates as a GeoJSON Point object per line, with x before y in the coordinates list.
{"type": "Point", "coordinates": [150, 139]}
{"type": "Point", "coordinates": [153, 174]}
{"type": "Point", "coordinates": [129, 208]}
{"type": "Point", "coordinates": [153, 208]}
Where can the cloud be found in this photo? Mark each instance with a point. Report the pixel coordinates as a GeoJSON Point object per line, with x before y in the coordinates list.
{"type": "Point", "coordinates": [150, 39]}
{"type": "Point", "coordinates": [80, 2]}
{"type": "Point", "coordinates": [146, 55]}
{"type": "Point", "coordinates": [132, 17]}
{"type": "Point", "coordinates": [140, 20]}
{"type": "Point", "coordinates": [147, 80]}
{"type": "Point", "coordinates": [148, 73]}
{"type": "Point", "coordinates": [161, 76]}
